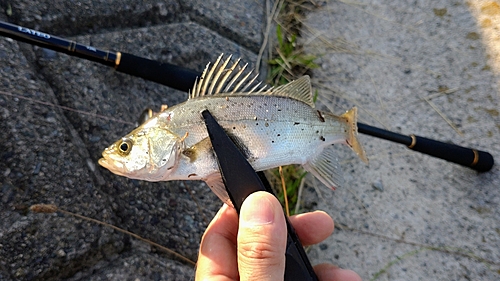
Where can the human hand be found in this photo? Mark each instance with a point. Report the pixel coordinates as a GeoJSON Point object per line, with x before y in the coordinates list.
{"type": "Point", "coordinates": [256, 251]}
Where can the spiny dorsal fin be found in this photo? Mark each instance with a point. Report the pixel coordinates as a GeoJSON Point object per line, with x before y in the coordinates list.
{"type": "Point", "coordinates": [217, 76]}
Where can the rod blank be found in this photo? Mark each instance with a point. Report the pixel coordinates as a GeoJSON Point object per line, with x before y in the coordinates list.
{"type": "Point", "coordinates": [170, 75]}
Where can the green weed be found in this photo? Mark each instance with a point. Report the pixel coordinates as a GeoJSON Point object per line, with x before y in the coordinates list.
{"type": "Point", "coordinates": [289, 62]}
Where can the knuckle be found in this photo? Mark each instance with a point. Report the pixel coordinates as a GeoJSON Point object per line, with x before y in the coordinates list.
{"type": "Point", "coordinates": [256, 252]}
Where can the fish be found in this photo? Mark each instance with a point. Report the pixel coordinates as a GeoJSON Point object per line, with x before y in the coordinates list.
{"type": "Point", "coordinates": [271, 126]}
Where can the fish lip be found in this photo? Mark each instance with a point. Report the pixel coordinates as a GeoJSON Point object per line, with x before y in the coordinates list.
{"type": "Point", "coordinates": [109, 164]}
{"type": "Point", "coordinates": [106, 161]}
{"type": "Point", "coordinates": [103, 162]}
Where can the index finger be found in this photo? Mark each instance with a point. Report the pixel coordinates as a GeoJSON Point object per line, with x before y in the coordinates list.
{"type": "Point", "coordinates": [312, 227]}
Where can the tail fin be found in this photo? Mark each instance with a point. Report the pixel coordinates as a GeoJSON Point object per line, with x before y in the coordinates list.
{"type": "Point", "coordinates": [351, 116]}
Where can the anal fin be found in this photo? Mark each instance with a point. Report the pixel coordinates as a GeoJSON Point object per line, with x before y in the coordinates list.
{"type": "Point", "coordinates": [326, 168]}
{"type": "Point", "coordinates": [214, 181]}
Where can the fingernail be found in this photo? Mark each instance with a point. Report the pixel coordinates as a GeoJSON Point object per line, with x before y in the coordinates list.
{"type": "Point", "coordinates": [257, 210]}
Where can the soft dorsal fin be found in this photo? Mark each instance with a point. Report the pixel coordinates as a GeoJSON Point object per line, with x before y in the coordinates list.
{"type": "Point", "coordinates": [299, 89]}
{"type": "Point", "coordinates": [213, 80]}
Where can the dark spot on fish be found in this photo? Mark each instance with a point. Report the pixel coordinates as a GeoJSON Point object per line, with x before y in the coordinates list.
{"type": "Point", "coordinates": [279, 135]}
{"type": "Point", "coordinates": [192, 175]}
{"type": "Point", "coordinates": [279, 109]}
{"type": "Point", "coordinates": [296, 123]}
{"type": "Point", "coordinates": [272, 141]}
{"type": "Point", "coordinates": [234, 128]}
{"type": "Point", "coordinates": [317, 132]}
{"type": "Point", "coordinates": [256, 124]}
{"type": "Point", "coordinates": [267, 124]}
{"type": "Point", "coordinates": [320, 116]}
{"type": "Point", "coordinates": [190, 153]}
{"type": "Point", "coordinates": [322, 138]}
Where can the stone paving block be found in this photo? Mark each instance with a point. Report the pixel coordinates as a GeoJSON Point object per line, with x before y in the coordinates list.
{"type": "Point", "coordinates": [42, 161]}
{"type": "Point", "coordinates": [173, 214]}
{"type": "Point", "coordinates": [136, 265]}
{"type": "Point", "coordinates": [239, 21]}
{"type": "Point", "coordinates": [66, 18]}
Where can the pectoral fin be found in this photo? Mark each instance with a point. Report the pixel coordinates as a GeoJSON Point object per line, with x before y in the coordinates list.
{"type": "Point", "coordinates": [326, 168]}
{"type": "Point", "coordinates": [215, 183]}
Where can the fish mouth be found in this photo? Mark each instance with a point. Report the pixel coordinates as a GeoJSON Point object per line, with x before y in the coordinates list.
{"type": "Point", "coordinates": [107, 162]}
{"type": "Point", "coordinates": [104, 162]}
{"type": "Point", "coordinates": [113, 166]}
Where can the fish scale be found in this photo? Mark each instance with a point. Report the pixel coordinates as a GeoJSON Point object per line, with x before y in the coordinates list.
{"type": "Point", "coordinates": [273, 127]}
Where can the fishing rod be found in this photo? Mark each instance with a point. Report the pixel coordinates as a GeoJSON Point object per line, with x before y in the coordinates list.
{"type": "Point", "coordinates": [170, 75]}
{"type": "Point", "coordinates": [182, 79]}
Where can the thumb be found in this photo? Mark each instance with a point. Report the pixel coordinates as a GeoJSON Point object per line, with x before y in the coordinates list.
{"type": "Point", "coordinates": [261, 238]}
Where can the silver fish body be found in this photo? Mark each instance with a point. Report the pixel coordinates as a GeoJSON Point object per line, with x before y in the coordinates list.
{"type": "Point", "coordinates": [272, 128]}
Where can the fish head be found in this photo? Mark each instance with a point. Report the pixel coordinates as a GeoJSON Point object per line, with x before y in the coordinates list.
{"type": "Point", "coordinates": [148, 153]}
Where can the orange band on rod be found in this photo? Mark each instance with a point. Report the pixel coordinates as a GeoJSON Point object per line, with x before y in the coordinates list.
{"type": "Point", "coordinates": [118, 58]}
{"type": "Point", "coordinates": [476, 158]}
{"type": "Point", "coordinates": [413, 141]}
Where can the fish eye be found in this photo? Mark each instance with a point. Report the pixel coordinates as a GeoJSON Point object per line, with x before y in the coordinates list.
{"type": "Point", "coordinates": [125, 147]}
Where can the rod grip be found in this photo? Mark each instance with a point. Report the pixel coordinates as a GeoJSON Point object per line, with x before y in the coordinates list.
{"type": "Point", "coordinates": [170, 75]}
{"type": "Point", "coordinates": [478, 160]}
{"type": "Point", "coordinates": [297, 265]}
